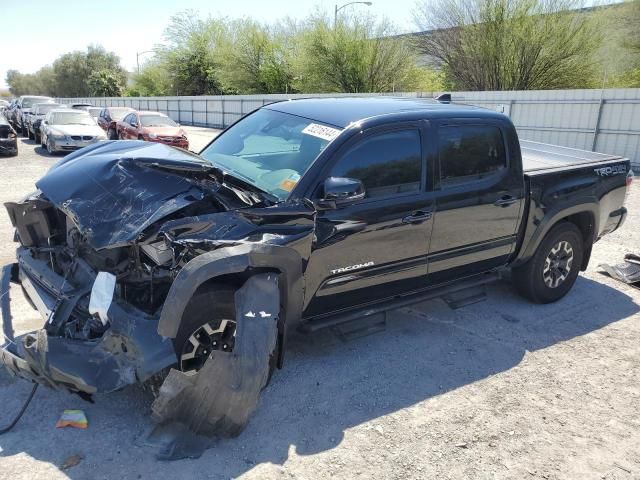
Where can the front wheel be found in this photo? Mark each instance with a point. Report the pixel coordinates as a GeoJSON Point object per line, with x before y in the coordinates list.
{"type": "Point", "coordinates": [111, 134]}
{"type": "Point", "coordinates": [50, 148]}
{"type": "Point", "coordinates": [551, 272]}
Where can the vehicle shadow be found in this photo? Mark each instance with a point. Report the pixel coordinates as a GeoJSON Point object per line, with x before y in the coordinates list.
{"type": "Point", "coordinates": [37, 147]}
{"type": "Point", "coordinates": [327, 386]}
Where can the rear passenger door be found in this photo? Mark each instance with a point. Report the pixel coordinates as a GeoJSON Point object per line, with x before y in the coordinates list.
{"type": "Point", "coordinates": [479, 195]}
{"type": "Point", "coordinates": [375, 247]}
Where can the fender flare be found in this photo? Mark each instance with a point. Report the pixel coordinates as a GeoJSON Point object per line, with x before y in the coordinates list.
{"type": "Point", "coordinates": [540, 228]}
{"type": "Point", "coordinates": [236, 259]}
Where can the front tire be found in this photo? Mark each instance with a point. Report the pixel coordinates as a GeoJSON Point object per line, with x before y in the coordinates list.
{"type": "Point", "coordinates": [111, 134]}
{"type": "Point", "coordinates": [208, 323]}
{"type": "Point", "coordinates": [50, 148]}
{"type": "Point", "coordinates": [551, 272]}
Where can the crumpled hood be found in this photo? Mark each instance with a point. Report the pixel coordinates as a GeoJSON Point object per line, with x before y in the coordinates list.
{"type": "Point", "coordinates": [114, 190]}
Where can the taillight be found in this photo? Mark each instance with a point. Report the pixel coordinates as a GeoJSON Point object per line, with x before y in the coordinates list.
{"type": "Point", "coordinates": [629, 177]}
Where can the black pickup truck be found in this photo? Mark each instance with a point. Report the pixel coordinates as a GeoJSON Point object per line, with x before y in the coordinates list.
{"type": "Point", "coordinates": [303, 214]}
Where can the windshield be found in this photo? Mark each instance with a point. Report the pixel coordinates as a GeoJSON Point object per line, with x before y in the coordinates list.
{"type": "Point", "coordinates": [46, 108]}
{"type": "Point", "coordinates": [156, 121]}
{"type": "Point", "coordinates": [28, 101]}
{"type": "Point", "coordinates": [270, 149]}
{"type": "Point", "coordinates": [71, 118]}
{"type": "Point", "coordinates": [118, 113]}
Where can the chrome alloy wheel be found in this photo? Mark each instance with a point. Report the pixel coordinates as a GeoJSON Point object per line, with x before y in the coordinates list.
{"type": "Point", "coordinates": [203, 341]}
{"type": "Point", "coordinates": [557, 265]}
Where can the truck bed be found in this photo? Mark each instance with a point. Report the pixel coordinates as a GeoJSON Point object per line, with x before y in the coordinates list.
{"type": "Point", "coordinates": [541, 156]}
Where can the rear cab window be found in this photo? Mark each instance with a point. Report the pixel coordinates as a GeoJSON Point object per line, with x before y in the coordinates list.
{"type": "Point", "coordinates": [469, 152]}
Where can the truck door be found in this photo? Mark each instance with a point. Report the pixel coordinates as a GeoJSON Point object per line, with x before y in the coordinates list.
{"type": "Point", "coordinates": [479, 195]}
{"type": "Point", "coordinates": [375, 247]}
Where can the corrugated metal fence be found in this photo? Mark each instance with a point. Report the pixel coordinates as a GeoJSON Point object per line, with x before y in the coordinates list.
{"type": "Point", "coordinates": [601, 120]}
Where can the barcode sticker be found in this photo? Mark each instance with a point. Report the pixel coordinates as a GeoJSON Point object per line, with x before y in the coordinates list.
{"type": "Point", "coordinates": [321, 131]}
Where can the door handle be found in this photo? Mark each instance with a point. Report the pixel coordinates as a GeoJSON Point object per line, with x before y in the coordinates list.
{"type": "Point", "coordinates": [417, 217]}
{"type": "Point", "coordinates": [505, 201]}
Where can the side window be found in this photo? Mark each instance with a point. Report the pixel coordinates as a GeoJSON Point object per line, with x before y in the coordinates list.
{"type": "Point", "coordinates": [470, 152]}
{"type": "Point", "coordinates": [387, 164]}
{"type": "Point", "coordinates": [133, 119]}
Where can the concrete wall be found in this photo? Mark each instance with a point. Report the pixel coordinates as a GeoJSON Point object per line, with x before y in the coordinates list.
{"type": "Point", "coordinates": [601, 120]}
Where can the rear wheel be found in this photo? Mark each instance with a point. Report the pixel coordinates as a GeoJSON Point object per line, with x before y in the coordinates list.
{"type": "Point", "coordinates": [551, 272]}
{"type": "Point", "coordinates": [111, 134]}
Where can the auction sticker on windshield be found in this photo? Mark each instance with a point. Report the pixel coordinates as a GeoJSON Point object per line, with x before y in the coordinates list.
{"type": "Point", "coordinates": [321, 131]}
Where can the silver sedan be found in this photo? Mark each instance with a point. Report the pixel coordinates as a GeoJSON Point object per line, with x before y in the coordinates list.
{"type": "Point", "coordinates": [68, 130]}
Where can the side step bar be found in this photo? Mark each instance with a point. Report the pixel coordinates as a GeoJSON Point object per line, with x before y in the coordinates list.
{"type": "Point", "coordinates": [399, 302]}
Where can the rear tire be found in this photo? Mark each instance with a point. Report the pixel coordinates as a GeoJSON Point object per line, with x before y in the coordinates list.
{"type": "Point", "coordinates": [111, 134]}
{"type": "Point", "coordinates": [551, 272]}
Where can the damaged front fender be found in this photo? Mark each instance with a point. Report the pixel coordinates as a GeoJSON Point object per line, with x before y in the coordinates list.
{"type": "Point", "coordinates": [238, 259]}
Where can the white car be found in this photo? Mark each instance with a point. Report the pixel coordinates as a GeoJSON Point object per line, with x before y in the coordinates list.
{"type": "Point", "coordinates": [67, 130]}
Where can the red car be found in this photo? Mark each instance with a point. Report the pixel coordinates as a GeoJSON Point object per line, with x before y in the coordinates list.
{"type": "Point", "coordinates": [152, 127]}
{"type": "Point", "coordinates": [109, 117]}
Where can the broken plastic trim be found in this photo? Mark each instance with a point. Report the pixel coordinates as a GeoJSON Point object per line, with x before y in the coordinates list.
{"type": "Point", "coordinates": [219, 399]}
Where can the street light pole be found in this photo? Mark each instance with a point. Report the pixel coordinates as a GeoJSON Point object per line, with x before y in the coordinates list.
{"type": "Point", "coordinates": [336, 9]}
{"type": "Point", "coordinates": [138, 58]}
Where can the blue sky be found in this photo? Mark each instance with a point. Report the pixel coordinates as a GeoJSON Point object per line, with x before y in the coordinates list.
{"type": "Point", "coordinates": [38, 31]}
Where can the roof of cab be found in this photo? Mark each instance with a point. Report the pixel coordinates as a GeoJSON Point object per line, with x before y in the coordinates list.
{"type": "Point", "coordinates": [343, 111]}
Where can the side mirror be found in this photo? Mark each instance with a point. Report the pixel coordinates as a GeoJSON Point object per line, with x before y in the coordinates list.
{"type": "Point", "coordinates": [340, 191]}
{"type": "Point", "coordinates": [44, 122]}
{"type": "Point", "coordinates": [134, 124]}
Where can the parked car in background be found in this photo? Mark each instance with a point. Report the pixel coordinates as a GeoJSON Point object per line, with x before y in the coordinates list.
{"type": "Point", "coordinates": [10, 111]}
{"type": "Point", "coordinates": [109, 118]}
{"type": "Point", "coordinates": [3, 104]}
{"type": "Point", "coordinates": [23, 107]}
{"type": "Point", "coordinates": [34, 119]}
{"type": "Point", "coordinates": [152, 127]}
{"type": "Point", "coordinates": [8, 137]}
{"type": "Point", "coordinates": [67, 129]}
{"type": "Point", "coordinates": [81, 106]}
{"type": "Point", "coordinates": [94, 111]}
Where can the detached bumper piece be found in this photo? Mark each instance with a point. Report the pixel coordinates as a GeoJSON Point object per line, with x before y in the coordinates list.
{"type": "Point", "coordinates": [130, 350]}
{"type": "Point", "coordinates": [627, 272]}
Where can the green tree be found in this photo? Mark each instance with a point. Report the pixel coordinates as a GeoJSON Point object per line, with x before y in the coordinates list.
{"type": "Point", "coordinates": [73, 70]}
{"type": "Point", "coordinates": [620, 50]}
{"type": "Point", "coordinates": [255, 59]}
{"type": "Point", "coordinates": [358, 54]}
{"type": "Point", "coordinates": [153, 81]}
{"type": "Point", "coordinates": [105, 83]}
{"type": "Point", "coordinates": [510, 44]}
{"type": "Point", "coordinates": [189, 55]}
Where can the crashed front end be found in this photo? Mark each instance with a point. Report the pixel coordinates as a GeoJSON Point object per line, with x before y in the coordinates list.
{"type": "Point", "coordinates": [134, 214]}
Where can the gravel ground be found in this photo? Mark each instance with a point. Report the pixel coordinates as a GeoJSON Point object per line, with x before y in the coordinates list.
{"type": "Point", "coordinates": [499, 389]}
